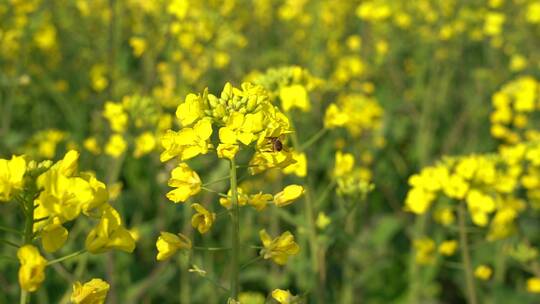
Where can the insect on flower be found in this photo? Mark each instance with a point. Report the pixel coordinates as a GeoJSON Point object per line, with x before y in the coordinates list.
{"type": "Point", "coordinates": [275, 144]}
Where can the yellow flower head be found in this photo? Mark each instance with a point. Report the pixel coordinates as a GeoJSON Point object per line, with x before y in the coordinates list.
{"type": "Point", "coordinates": [144, 144]}
{"type": "Point", "coordinates": [483, 272]}
{"type": "Point", "coordinates": [32, 270]}
{"type": "Point", "coordinates": [533, 285]}
{"type": "Point", "coordinates": [109, 233]}
{"type": "Point", "coordinates": [294, 96]}
{"type": "Point", "coordinates": [448, 248]}
{"type": "Point", "coordinates": [299, 167]}
{"type": "Point", "coordinates": [53, 235]}
{"type": "Point", "coordinates": [117, 117]}
{"type": "Point", "coordinates": [283, 296]}
{"type": "Point", "coordinates": [280, 248]}
{"type": "Point", "coordinates": [11, 176]}
{"type": "Point", "coordinates": [260, 200]}
{"type": "Point", "coordinates": [168, 244]}
{"type": "Point", "coordinates": [227, 202]}
{"type": "Point", "coordinates": [116, 145]}
{"type": "Point", "coordinates": [188, 142]}
{"type": "Point", "coordinates": [288, 195]}
{"type": "Point", "coordinates": [203, 219]}
{"type": "Point", "coordinates": [344, 164]}
{"type": "Point", "coordinates": [425, 249]}
{"type": "Point", "coordinates": [92, 292]}
{"type": "Point", "coordinates": [186, 181]}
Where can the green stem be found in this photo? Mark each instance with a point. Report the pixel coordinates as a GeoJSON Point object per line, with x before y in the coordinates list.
{"type": "Point", "coordinates": [235, 277]}
{"type": "Point", "coordinates": [69, 256]}
{"type": "Point", "coordinates": [10, 230]}
{"type": "Point", "coordinates": [214, 191]}
{"type": "Point", "coordinates": [10, 243]}
{"type": "Point", "coordinates": [313, 139]}
{"type": "Point", "coordinates": [211, 248]}
{"type": "Point", "coordinates": [28, 206]}
{"type": "Point", "coordinates": [469, 280]}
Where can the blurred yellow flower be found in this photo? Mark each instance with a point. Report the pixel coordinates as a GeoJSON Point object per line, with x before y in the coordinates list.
{"type": "Point", "coordinates": [288, 195]}
{"type": "Point", "coordinates": [322, 220]}
{"type": "Point", "coordinates": [144, 144]}
{"type": "Point", "coordinates": [32, 269]}
{"type": "Point", "coordinates": [278, 249]}
{"type": "Point", "coordinates": [294, 96]}
{"type": "Point", "coordinates": [483, 272]}
{"type": "Point", "coordinates": [259, 200]}
{"type": "Point", "coordinates": [92, 292]}
{"type": "Point", "coordinates": [283, 296]}
{"type": "Point", "coordinates": [116, 116]}
{"type": "Point", "coordinates": [138, 45]}
{"type": "Point", "coordinates": [168, 244]}
{"type": "Point", "coordinates": [533, 285]}
{"type": "Point", "coordinates": [448, 248]}
{"type": "Point", "coordinates": [116, 146]}
{"type": "Point", "coordinates": [425, 249]}
{"type": "Point", "coordinates": [344, 164]}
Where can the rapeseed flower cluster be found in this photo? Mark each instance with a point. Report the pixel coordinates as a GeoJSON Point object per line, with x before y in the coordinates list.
{"type": "Point", "coordinates": [51, 195]}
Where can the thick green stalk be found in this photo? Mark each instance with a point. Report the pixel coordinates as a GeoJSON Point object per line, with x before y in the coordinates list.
{"type": "Point", "coordinates": [469, 280]}
{"type": "Point", "coordinates": [28, 235]}
{"type": "Point", "coordinates": [235, 214]}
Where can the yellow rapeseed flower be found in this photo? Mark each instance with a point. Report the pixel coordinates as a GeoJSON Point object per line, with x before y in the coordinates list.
{"type": "Point", "coordinates": [294, 96]}
{"type": "Point", "coordinates": [92, 292]}
{"type": "Point", "coordinates": [109, 234]}
{"type": "Point", "coordinates": [288, 195]}
{"type": "Point", "coordinates": [168, 244]}
{"type": "Point", "coordinates": [186, 181]}
{"type": "Point", "coordinates": [203, 219]}
{"type": "Point", "coordinates": [32, 270]}
{"type": "Point", "coordinates": [11, 176]}
{"type": "Point", "coordinates": [483, 272]}
{"type": "Point", "coordinates": [283, 296]}
{"type": "Point", "coordinates": [533, 285]}
{"type": "Point", "coordinates": [448, 248]}
{"type": "Point", "coordinates": [278, 249]}
{"type": "Point", "coordinates": [116, 145]}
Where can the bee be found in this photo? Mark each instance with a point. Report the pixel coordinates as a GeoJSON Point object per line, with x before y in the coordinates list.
{"type": "Point", "coordinates": [275, 144]}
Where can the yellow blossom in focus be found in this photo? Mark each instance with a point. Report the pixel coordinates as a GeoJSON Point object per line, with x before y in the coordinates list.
{"type": "Point", "coordinates": [227, 150]}
{"type": "Point", "coordinates": [32, 269]}
{"type": "Point", "coordinates": [191, 110]}
{"type": "Point", "coordinates": [92, 292]}
{"type": "Point", "coordinates": [53, 236]}
{"type": "Point", "coordinates": [109, 234]}
{"type": "Point", "coordinates": [278, 249]}
{"type": "Point", "coordinates": [242, 199]}
{"type": "Point", "coordinates": [203, 219]}
{"type": "Point", "coordinates": [188, 142]}
{"type": "Point", "coordinates": [483, 272]}
{"type": "Point", "coordinates": [186, 181]}
{"type": "Point", "coordinates": [299, 168]}
{"type": "Point", "coordinates": [168, 244]}
{"type": "Point", "coordinates": [11, 176]}
{"type": "Point", "coordinates": [288, 195]}
{"type": "Point", "coordinates": [116, 146]}
{"type": "Point", "coordinates": [259, 200]}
